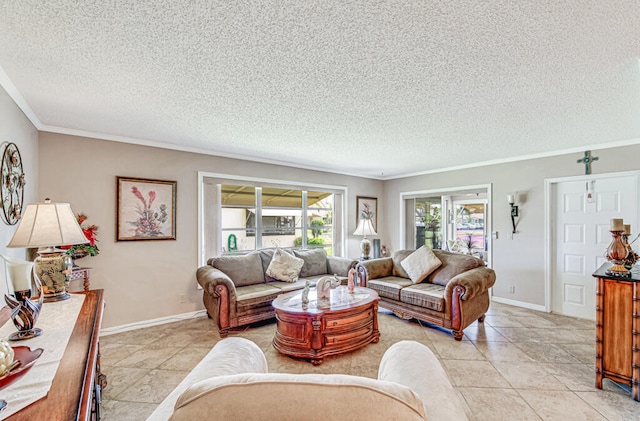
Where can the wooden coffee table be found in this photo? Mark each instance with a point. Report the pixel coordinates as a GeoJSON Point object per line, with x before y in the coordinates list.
{"type": "Point", "coordinates": [348, 322]}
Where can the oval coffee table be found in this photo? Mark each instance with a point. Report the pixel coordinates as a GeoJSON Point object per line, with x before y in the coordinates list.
{"type": "Point", "coordinates": [346, 322]}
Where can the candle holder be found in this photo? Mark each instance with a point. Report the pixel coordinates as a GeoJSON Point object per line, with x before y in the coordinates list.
{"type": "Point", "coordinates": [24, 313]}
{"type": "Point", "coordinates": [616, 253]}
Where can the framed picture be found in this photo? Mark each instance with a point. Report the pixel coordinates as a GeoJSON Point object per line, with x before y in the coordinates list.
{"type": "Point", "coordinates": [367, 207]}
{"type": "Point", "coordinates": [146, 209]}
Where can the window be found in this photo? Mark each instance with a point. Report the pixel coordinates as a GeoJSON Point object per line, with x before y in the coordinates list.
{"type": "Point", "coordinates": [444, 218]}
{"type": "Point", "coordinates": [243, 215]}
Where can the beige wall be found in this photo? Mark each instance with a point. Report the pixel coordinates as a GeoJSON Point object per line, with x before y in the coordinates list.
{"type": "Point", "coordinates": [521, 261]}
{"type": "Point", "coordinates": [143, 280]}
{"type": "Point", "coordinates": [16, 128]}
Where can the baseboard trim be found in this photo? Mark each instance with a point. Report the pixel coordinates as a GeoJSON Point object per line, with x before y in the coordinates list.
{"type": "Point", "coordinates": [516, 303]}
{"type": "Point", "coordinates": [152, 322]}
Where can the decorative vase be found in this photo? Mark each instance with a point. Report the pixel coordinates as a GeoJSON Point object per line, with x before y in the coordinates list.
{"type": "Point", "coordinates": [616, 253]}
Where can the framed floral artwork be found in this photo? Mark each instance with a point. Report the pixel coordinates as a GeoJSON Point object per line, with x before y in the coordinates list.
{"type": "Point", "coordinates": [146, 209]}
{"type": "Point", "coordinates": [367, 208]}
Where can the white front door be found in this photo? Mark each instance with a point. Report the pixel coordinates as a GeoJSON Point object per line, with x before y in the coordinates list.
{"type": "Point", "coordinates": [580, 234]}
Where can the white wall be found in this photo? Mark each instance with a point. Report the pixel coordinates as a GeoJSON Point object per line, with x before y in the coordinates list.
{"type": "Point", "coordinates": [144, 280]}
{"type": "Point", "coordinates": [16, 128]}
{"type": "Point", "coordinates": [519, 261]}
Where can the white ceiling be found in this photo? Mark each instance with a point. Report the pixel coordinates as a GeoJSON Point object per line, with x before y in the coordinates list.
{"type": "Point", "coordinates": [373, 88]}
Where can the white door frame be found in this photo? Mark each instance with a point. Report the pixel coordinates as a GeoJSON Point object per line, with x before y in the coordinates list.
{"type": "Point", "coordinates": [445, 192]}
{"type": "Point", "coordinates": [548, 222]}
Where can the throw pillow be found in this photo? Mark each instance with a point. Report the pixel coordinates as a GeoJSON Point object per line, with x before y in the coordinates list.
{"type": "Point", "coordinates": [315, 262]}
{"type": "Point", "coordinates": [397, 257]}
{"type": "Point", "coordinates": [420, 264]}
{"type": "Point", "coordinates": [458, 246]}
{"type": "Point", "coordinates": [452, 265]}
{"type": "Point", "coordinates": [245, 269]}
{"type": "Point", "coordinates": [284, 266]}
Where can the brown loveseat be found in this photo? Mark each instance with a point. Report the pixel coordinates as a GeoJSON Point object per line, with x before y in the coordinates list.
{"type": "Point", "coordinates": [453, 296]}
{"type": "Point", "coordinates": [238, 291]}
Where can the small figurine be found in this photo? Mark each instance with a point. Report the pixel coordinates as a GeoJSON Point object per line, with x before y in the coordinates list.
{"type": "Point", "coordinates": [383, 251]}
{"type": "Point", "coordinates": [351, 284]}
{"type": "Point", "coordinates": [323, 288]}
{"type": "Point", "coordinates": [305, 294]}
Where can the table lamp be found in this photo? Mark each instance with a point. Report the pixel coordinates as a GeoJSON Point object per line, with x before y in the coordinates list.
{"type": "Point", "coordinates": [365, 227]}
{"type": "Point", "coordinates": [47, 225]}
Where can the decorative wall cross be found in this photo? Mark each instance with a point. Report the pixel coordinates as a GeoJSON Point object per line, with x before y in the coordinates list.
{"type": "Point", "coordinates": [587, 160]}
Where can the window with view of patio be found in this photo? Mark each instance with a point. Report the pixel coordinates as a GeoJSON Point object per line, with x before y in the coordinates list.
{"type": "Point", "coordinates": [239, 216]}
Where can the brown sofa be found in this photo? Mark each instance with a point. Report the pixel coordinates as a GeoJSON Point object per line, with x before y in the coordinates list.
{"type": "Point", "coordinates": [238, 292]}
{"type": "Point", "coordinates": [453, 296]}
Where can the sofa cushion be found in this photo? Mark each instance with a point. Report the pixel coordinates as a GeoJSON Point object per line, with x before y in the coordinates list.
{"type": "Point", "coordinates": [252, 297]}
{"type": "Point", "coordinates": [298, 396]}
{"type": "Point", "coordinates": [315, 262]}
{"type": "Point", "coordinates": [284, 266]}
{"type": "Point", "coordinates": [425, 295]}
{"type": "Point", "coordinates": [289, 286]}
{"type": "Point", "coordinates": [389, 287]}
{"type": "Point", "coordinates": [397, 257]}
{"type": "Point", "coordinates": [315, 278]}
{"type": "Point", "coordinates": [245, 269]}
{"type": "Point", "coordinates": [420, 264]}
{"type": "Point", "coordinates": [452, 264]}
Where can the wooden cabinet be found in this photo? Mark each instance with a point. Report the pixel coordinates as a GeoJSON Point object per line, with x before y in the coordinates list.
{"type": "Point", "coordinates": [314, 333]}
{"type": "Point", "coordinates": [618, 329]}
{"type": "Point", "coordinates": [75, 391]}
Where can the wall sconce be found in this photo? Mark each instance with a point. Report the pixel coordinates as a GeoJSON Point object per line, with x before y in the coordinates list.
{"type": "Point", "coordinates": [511, 198]}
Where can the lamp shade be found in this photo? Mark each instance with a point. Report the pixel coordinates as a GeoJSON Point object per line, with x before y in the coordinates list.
{"type": "Point", "coordinates": [47, 224]}
{"type": "Point", "coordinates": [365, 227]}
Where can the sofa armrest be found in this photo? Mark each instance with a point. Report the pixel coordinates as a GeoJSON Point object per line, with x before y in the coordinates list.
{"type": "Point", "coordinates": [228, 356]}
{"type": "Point", "coordinates": [221, 303]}
{"type": "Point", "coordinates": [209, 278]}
{"type": "Point", "coordinates": [414, 365]}
{"type": "Point", "coordinates": [474, 281]}
{"type": "Point", "coordinates": [340, 265]}
{"type": "Point", "coordinates": [373, 269]}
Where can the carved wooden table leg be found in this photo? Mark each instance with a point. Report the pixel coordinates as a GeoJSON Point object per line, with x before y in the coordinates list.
{"type": "Point", "coordinates": [599, 332]}
{"type": "Point", "coordinates": [635, 340]}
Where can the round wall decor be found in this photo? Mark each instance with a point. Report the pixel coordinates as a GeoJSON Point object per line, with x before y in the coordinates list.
{"type": "Point", "coordinates": [12, 189]}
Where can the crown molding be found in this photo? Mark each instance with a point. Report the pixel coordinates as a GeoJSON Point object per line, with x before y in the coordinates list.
{"type": "Point", "coordinates": [13, 92]}
{"type": "Point", "coordinates": [617, 144]}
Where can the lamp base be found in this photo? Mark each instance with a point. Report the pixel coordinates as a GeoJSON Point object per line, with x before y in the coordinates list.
{"type": "Point", "coordinates": [53, 269]}
{"type": "Point", "coordinates": [21, 335]}
{"type": "Point", "coordinates": [365, 249]}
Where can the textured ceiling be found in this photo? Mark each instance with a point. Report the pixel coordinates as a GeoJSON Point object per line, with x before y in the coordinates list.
{"type": "Point", "coordinates": [372, 88]}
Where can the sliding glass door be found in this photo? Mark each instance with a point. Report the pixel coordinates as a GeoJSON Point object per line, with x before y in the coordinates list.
{"type": "Point", "coordinates": [457, 220]}
{"type": "Point", "coordinates": [469, 225]}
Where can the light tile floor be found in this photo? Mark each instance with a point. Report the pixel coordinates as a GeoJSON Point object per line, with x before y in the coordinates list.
{"type": "Point", "coordinates": [519, 365]}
